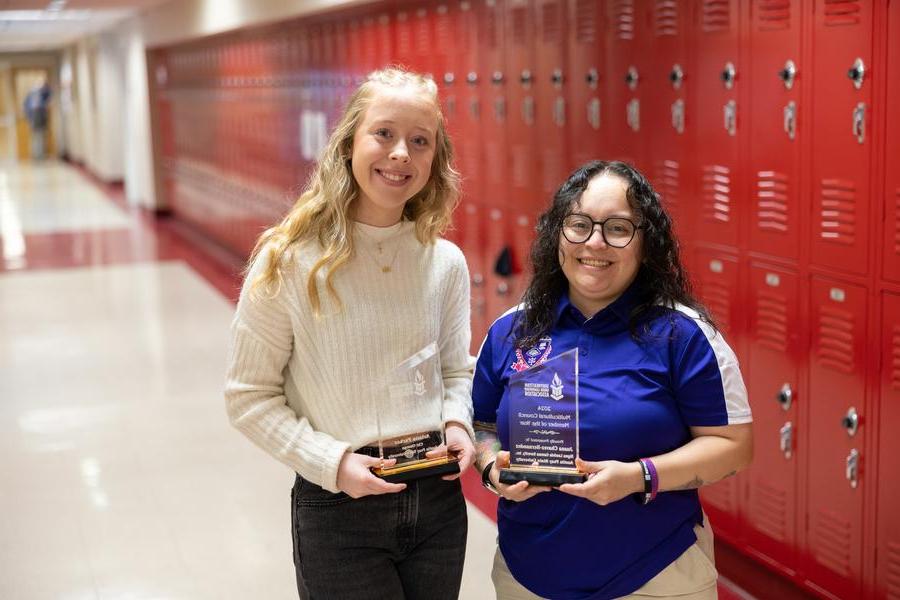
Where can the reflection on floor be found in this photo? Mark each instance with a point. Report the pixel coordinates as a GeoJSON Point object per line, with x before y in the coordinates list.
{"type": "Point", "coordinates": [122, 476]}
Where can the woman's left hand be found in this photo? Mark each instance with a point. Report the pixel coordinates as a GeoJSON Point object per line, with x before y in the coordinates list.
{"type": "Point", "coordinates": [460, 445]}
{"type": "Point", "coordinates": [607, 482]}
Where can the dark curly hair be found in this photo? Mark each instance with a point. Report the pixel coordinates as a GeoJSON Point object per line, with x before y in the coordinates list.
{"type": "Point", "coordinates": [662, 280]}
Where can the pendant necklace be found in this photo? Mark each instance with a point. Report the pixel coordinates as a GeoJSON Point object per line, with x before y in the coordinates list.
{"type": "Point", "coordinates": [379, 248]}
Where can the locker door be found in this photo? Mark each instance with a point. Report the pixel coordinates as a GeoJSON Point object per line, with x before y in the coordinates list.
{"type": "Point", "coordinates": [369, 31]}
{"type": "Point", "coordinates": [551, 88]}
{"type": "Point", "coordinates": [384, 41]}
{"type": "Point", "coordinates": [425, 54]}
{"type": "Point", "coordinates": [776, 127]}
{"type": "Point", "coordinates": [471, 224]}
{"type": "Point", "coordinates": [891, 245]}
{"type": "Point", "coordinates": [403, 37]}
{"type": "Point", "coordinates": [841, 127]}
{"type": "Point", "coordinates": [626, 69]}
{"type": "Point", "coordinates": [775, 347]}
{"type": "Point", "coordinates": [888, 520]}
{"type": "Point", "coordinates": [356, 50]}
{"type": "Point", "coordinates": [667, 110]}
{"type": "Point", "coordinates": [495, 105]}
{"type": "Point", "coordinates": [586, 139]}
{"type": "Point", "coordinates": [719, 119]}
{"type": "Point", "coordinates": [522, 148]}
{"type": "Point", "coordinates": [717, 283]}
{"type": "Point", "coordinates": [835, 482]}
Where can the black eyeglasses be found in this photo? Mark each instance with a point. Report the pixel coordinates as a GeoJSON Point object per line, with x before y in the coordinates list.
{"type": "Point", "coordinates": [616, 231]}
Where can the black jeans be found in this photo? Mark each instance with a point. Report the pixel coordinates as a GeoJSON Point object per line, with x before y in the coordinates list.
{"type": "Point", "coordinates": [409, 545]}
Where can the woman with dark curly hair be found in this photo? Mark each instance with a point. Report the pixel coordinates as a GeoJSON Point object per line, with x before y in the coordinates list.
{"type": "Point", "coordinates": [662, 408]}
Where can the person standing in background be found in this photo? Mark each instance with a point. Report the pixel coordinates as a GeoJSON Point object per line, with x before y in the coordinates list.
{"type": "Point", "coordinates": [37, 113]}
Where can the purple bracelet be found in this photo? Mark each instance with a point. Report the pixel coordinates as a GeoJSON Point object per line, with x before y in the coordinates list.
{"type": "Point", "coordinates": [651, 473]}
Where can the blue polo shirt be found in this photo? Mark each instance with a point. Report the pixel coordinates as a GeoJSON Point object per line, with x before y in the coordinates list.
{"type": "Point", "coordinates": [636, 399]}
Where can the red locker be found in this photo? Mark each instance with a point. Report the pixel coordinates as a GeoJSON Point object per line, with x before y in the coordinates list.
{"type": "Point", "coordinates": [776, 127]}
{"type": "Point", "coordinates": [891, 245]}
{"type": "Point", "coordinates": [426, 54]}
{"type": "Point", "coordinates": [836, 437]}
{"type": "Point", "coordinates": [403, 37]}
{"type": "Point", "coordinates": [717, 279]}
{"type": "Point", "coordinates": [841, 134]}
{"type": "Point", "coordinates": [887, 566]}
{"type": "Point", "coordinates": [775, 345]}
{"type": "Point", "coordinates": [494, 102]}
{"type": "Point", "coordinates": [551, 89]}
{"type": "Point", "coordinates": [715, 83]}
{"type": "Point", "coordinates": [523, 185]}
{"type": "Point", "coordinates": [626, 40]}
{"type": "Point", "coordinates": [470, 222]}
{"type": "Point", "coordinates": [667, 111]}
{"type": "Point", "coordinates": [586, 135]}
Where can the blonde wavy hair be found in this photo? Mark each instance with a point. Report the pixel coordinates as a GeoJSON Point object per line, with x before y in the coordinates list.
{"type": "Point", "coordinates": [323, 211]}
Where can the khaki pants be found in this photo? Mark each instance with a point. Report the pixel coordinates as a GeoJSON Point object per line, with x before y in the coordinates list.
{"type": "Point", "coordinates": [692, 576]}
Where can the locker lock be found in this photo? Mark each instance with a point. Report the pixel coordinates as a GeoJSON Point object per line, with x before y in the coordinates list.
{"type": "Point", "coordinates": [728, 75]}
{"type": "Point", "coordinates": [497, 77]}
{"type": "Point", "coordinates": [526, 77]}
{"type": "Point", "coordinates": [472, 78]}
{"type": "Point", "coordinates": [785, 396]}
{"type": "Point", "coordinates": [857, 73]}
{"type": "Point", "coordinates": [788, 74]}
{"type": "Point", "coordinates": [449, 78]}
{"type": "Point", "coordinates": [557, 77]}
{"type": "Point", "coordinates": [592, 78]}
{"type": "Point", "coordinates": [676, 76]}
{"type": "Point", "coordinates": [850, 422]}
{"type": "Point", "coordinates": [632, 77]}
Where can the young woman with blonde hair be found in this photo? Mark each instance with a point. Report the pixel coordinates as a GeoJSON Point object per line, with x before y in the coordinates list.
{"type": "Point", "coordinates": [349, 284]}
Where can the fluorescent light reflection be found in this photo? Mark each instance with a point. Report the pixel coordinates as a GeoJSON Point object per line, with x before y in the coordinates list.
{"type": "Point", "coordinates": [10, 227]}
{"type": "Point", "coordinates": [90, 475]}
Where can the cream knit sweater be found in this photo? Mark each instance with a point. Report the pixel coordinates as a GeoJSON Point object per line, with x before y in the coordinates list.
{"type": "Point", "coordinates": [304, 389]}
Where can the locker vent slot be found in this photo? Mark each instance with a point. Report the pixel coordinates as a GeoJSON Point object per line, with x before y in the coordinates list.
{"type": "Point", "coordinates": [772, 15]}
{"type": "Point", "coordinates": [831, 541]}
{"type": "Point", "coordinates": [842, 12]}
{"type": "Point", "coordinates": [721, 495]}
{"type": "Point", "coordinates": [716, 193]}
{"type": "Point", "coordinates": [893, 570]}
{"type": "Point", "coordinates": [550, 21]}
{"type": "Point", "coordinates": [897, 223]}
{"type": "Point", "coordinates": [895, 364]}
{"type": "Point", "coordinates": [769, 505]}
{"type": "Point", "coordinates": [718, 298]}
{"type": "Point", "coordinates": [488, 33]}
{"type": "Point", "coordinates": [667, 183]}
{"type": "Point", "coordinates": [772, 201]}
{"type": "Point", "coordinates": [423, 35]}
{"type": "Point", "coordinates": [665, 18]}
{"type": "Point", "coordinates": [838, 211]}
{"type": "Point", "coordinates": [622, 12]}
{"type": "Point", "coordinates": [835, 339]}
{"type": "Point", "coordinates": [404, 36]}
{"type": "Point", "coordinates": [519, 26]}
{"type": "Point", "coordinates": [772, 321]}
{"type": "Point", "coordinates": [586, 17]}
{"type": "Point", "coordinates": [443, 33]}
{"type": "Point", "coordinates": [716, 15]}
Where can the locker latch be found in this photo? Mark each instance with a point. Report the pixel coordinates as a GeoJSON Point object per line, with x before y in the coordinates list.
{"type": "Point", "coordinates": [633, 114]}
{"type": "Point", "coordinates": [526, 78]}
{"type": "Point", "coordinates": [449, 78]}
{"type": "Point", "coordinates": [790, 119]}
{"type": "Point", "coordinates": [678, 115]}
{"type": "Point", "coordinates": [785, 396]}
{"type": "Point", "coordinates": [859, 122]}
{"type": "Point", "coordinates": [559, 111]}
{"type": "Point", "coordinates": [857, 73]}
{"type": "Point", "coordinates": [593, 110]}
{"type": "Point", "coordinates": [676, 76]}
{"type": "Point", "coordinates": [730, 115]}
{"type": "Point", "coordinates": [850, 422]}
{"type": "Point", "coordinates": [786, 439]}
{"type": "Point", "coordinates": [852, 472]}
{"type": "Point", "coordinates": [497, 77]}
{"type": "Point", "coordinates": [788, 74]}
{"type": "Point", "coordinates": [632, 77]}
{"type": "Point", "coordinates": [592, 78]}
{"type": "Point", "coordinates": [472, 78]}
{"type": "Point", "coordinates": [728, 75]}
{"type": "Point", "coordinates": [557, 78]}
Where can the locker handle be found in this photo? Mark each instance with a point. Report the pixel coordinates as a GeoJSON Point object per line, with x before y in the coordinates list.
{"type": "Point", "coordinates": [785, 396]}
{"type": "Point", "coordinates": [500, 109]}
{"type": "Point", "coordinates": [852, 471]}
{"type": "Point", "coordinates": [528, 110]}
{"type": "Point", "coordinates": [559, 112]}
{"type": "Point", "coordinates": [857, 73]}
{"type": "Point", "coordinates": [593, 110]}
{"type": "Point", "coordinates": [859, 122]}
{"type": "Point", "coordinates": [678, 115]}
{"type": "Point", "coordinates": [790, 119]}
{"type": "Point", "coordinates": [850, 421]}
{"type": "Point", "coordinates": [730, 117]}
{"type": "Point", "coordinates": [474, 108]}
{"type": "Point", "coordinates": [786, 439]}
{"type": "Point", "coordinates": [633, 114]}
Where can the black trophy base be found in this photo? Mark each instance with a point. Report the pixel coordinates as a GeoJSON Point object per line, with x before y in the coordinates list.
{"type": "Point", "coordinates": [445, 465]}
{"type": "Point", "coordinates": [550, 478]}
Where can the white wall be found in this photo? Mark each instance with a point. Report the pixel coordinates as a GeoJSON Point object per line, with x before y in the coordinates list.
{"type": "Point", "coordinates": [139, 184]}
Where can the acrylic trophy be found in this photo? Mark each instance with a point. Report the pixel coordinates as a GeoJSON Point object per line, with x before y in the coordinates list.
{"type": "Point", "coordinates": [543, 423]}
{"type": "Point", "coordinates": [410, 421]}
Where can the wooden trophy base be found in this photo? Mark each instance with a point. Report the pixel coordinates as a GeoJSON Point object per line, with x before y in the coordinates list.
{"type": "Point", "coordinates": [432, 467]}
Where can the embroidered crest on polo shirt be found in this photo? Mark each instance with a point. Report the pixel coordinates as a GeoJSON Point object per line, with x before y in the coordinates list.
{"type": "Point", "coordinates": [533, 356]}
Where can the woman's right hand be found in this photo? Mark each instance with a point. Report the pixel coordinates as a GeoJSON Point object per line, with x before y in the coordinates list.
{"type": "Point", "coordinates": [517, 492]}
{"type": "Point", "coordinates": [356, 480]}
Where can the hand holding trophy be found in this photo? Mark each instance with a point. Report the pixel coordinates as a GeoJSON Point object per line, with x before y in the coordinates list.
{"type": "Point", "coordinates": [410, 423]}
{"type": "Point", "coordinates": [543, 423]}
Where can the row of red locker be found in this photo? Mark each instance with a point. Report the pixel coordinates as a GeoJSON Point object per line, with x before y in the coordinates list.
{"type": "Point", "coordinates": [762, 123]}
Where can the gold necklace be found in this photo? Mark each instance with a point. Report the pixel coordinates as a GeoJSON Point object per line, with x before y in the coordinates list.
{"type": "Point", "coordinates": [379, 247]}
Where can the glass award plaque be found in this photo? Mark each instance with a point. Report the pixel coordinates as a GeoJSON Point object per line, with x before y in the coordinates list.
{"type": "Point", "coordinates": [543, 423]}
{"type": "Point", "coordinates": [410, 420]}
